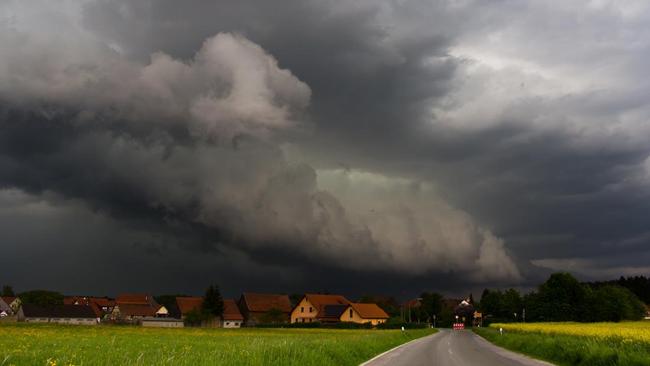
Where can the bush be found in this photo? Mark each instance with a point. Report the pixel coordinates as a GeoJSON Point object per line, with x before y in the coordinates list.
{"type": "Point", "coordinates": [339, 325]}
{"type": "Point", "coordinates": [41, 298]}
{"type": "Point", "coordinates": [194, 318]}
{"type": "Point", "coordinates": [349, 325]}
{"type": "Point", "coordinates": [491, 319]}
{"type": "Point", "coordinates": [274, 315]}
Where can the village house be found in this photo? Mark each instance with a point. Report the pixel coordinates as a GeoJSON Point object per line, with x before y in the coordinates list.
{"type": "Point", "coordinates": [5, 310]}
{"type": "Point", "coordinates": [364, 313]}
{"type": "Point", "coordinates": [9, 305]}
{"type": "Point", "coordinates": [86, 301]}
{"type": "Point", "coordinates": [104, 303]}
{"type": "Point", "coordinates": [464, 311]}
{"type": "Point", "coordinates": [75, 300]}
{"type": "Point", "coordinates": [60, 314]}
{"type": "Point", "coordinates": [262, 308]}
{"type": "Point", "coordinates": [317, 307]}
{"type": "Point", "coordinates": [135, 307]}
{"type": "Point", "coordinates": [187, 304]}
{"type": "Point", "coordinates": [232, 317]}
{"type": "Point", "coordinates": [157, 322]}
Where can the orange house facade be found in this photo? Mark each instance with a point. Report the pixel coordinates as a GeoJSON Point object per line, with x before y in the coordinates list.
{"type": "Point", "coordinates": [319, 308]}
{"type": "Point", "coordinates": [364, 313]}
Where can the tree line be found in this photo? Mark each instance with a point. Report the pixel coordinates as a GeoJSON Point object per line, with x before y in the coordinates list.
{"type": "Point", "coordinates": [563, 298]}
{"type": "Point", "coordinates": [639, 285]}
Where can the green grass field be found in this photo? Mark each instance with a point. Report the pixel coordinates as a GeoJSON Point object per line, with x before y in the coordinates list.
{"type": "Point", "coordinates": [23, 344]}
{"type": "Point", "coordinates": [576, 344]}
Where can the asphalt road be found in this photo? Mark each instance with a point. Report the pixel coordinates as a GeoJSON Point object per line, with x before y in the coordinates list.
{"type": "Point", "coordinates": [452, 348]}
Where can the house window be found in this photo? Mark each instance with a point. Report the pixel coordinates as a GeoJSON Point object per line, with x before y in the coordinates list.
{"type": "Point", "coordinates": [310, 310]}
{"type": "Point", "coordinates": [302, 309]}
{"type": "Point", "coordinates": [227, 323]}
{"type": "Point", "coordinates": [350, 313]}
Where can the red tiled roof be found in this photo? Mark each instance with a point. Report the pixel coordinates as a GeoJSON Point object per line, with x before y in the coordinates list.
{"type": "Point", "coordinates": [187, 304]}
{"type": "Point", "coordinates": [83, 301]}
{"type": "Point", "coordinates": [136, 310]}
{"type": "Point", "coordinates": [369, 311]}
{"type": "Point", "coordinates": [231, 311]}
{"type": "Point", "coordinates": [265, 302]}
{"type": "Point", "coordinates": [135, 299]}
{"type": "Point", "coordinates": [320, 301]}
{"type": "Point", "coordinates": [94, 302]}
{"type": "Point", "coordinates": [102, 301]}
{"type": "Point", "coordinates": [74, 300]}
{"type": "Point", "coordinates": [9, 299]}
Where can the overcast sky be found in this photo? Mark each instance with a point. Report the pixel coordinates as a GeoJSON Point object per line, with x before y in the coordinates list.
{"type": "Point", "coordinates": [345, 146]}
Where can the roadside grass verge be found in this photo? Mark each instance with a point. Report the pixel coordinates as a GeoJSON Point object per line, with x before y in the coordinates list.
{"type": "Point", "coordinates": [27, 344]}
{"type": "Point", "coordinates": [567, 349]}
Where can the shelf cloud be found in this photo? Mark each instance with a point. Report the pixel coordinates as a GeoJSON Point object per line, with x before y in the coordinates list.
{"type": "Point", "coordinates": [332, 144]}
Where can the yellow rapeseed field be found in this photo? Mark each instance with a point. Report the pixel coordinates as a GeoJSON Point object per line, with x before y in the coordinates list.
{"type": "Point", "coordinates": [624, 331]}
{"type": "Point", "coordinates": [576, 344]}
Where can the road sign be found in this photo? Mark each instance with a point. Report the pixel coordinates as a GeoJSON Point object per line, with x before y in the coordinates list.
{"type": "Point", "coordinates": [459, 326]}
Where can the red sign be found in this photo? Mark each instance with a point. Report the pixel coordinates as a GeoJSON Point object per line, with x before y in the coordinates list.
{"type": "Point", "coordinates": [459, 326]}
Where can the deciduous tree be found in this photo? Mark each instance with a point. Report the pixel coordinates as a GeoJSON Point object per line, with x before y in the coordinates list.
{"type": "Point", "coordinates": [41, 297]}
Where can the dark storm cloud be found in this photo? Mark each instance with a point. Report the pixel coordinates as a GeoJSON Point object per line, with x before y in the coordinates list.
{"type": "Point", "coordinates": [371, 75]}
{"type": "Point", "coordinates": [431, 143]}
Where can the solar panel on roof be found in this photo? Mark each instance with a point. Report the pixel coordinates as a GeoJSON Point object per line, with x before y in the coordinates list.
{"type": "Point", "coordinates": [334, 311]}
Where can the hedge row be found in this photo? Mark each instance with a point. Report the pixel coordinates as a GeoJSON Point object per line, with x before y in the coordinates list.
{"type": "Point", "coordinates": [344, 325]}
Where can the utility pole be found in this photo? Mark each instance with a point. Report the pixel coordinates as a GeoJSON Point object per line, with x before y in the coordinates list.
{"type": "Point", "coordinates": [523, 315]}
